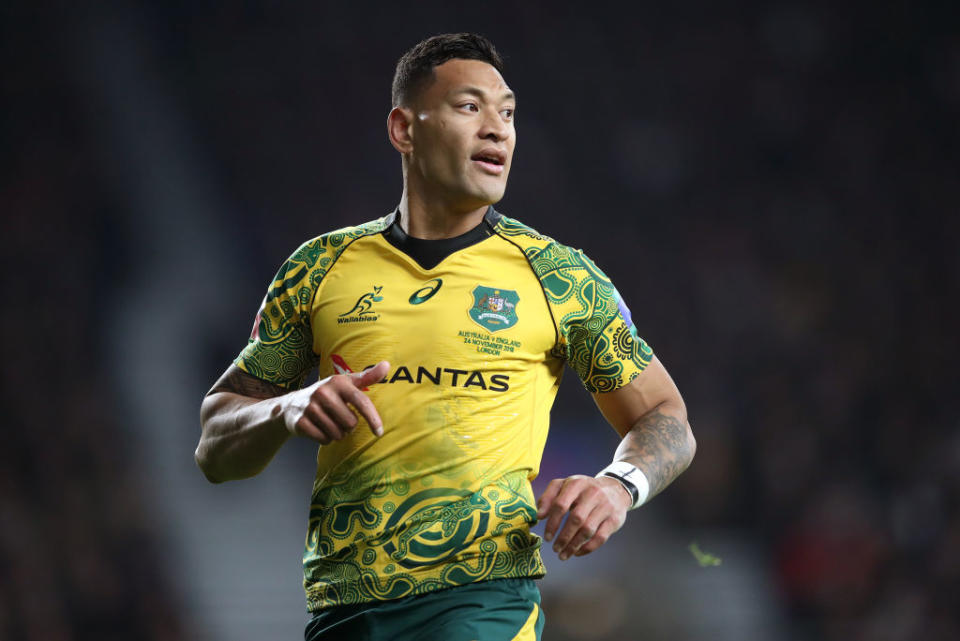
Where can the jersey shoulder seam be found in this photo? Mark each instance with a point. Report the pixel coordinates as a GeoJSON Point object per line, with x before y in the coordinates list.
{"type": "Point", "coordinates": [547, 256]}
{"type": "Point", "coordinates": [508, 228]}
{"type": "Point", "coordinates": [338, 241]}
{"type": "Point", "coordinates": [511, 231]}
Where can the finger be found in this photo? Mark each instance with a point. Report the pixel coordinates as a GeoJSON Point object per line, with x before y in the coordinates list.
{"type": "Point", "coordinates": [324, 422]}
{"type": "Point", "coordinates": [370, 376]}
{"type": "Point", "coordinates": [362, 403]}
{"type": "Point", "coordinates": [600, 537]}
{"type": "Point", "coordinates": [305, 428]}
{"type": "Point", "coordinates": [586, 532]}
{"type": "Point", "coordinates": [333, 406]}
{"type": "Point", "coordinates": [549, 505]}
{"type": "Point", "coordinates": [579, 512]}
{"type": "Point", "coordinates": [546, 499]}
{"type": "Point", "coordinates": [561, 504]}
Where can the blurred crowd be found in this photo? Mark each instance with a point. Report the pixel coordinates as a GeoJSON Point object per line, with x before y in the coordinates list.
{"type": "Point", "coordinates": [774, 190]}
{"type": "Point", "coordinates": [78, 542]}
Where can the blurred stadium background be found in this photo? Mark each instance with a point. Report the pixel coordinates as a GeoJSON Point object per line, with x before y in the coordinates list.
{"type": "Point", "coordinates": [772, 185]}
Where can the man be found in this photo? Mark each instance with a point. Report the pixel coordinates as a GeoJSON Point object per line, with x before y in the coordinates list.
{"type": "Point", "coordinates": [440, 332]}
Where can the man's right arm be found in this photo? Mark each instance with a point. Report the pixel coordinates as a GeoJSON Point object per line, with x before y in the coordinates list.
{"type": "Point", "coordinates": [245, 420]}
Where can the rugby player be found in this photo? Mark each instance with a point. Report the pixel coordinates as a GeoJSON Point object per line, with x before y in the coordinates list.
{"type": "Point", "coordinates": [441, 331]}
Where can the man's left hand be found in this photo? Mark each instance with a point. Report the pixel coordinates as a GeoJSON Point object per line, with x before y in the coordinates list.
{"type": "Point", "coordinates": [597, 508]}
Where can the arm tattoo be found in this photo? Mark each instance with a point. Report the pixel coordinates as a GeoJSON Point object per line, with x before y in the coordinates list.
{"type": "Point", "coordinates": [236, 381]}
{"type": "Point", "coordinates": [658, 445]}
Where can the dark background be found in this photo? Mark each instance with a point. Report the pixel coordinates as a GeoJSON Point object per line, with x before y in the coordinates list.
{"type": "Point", "coordinates": [773, 187]}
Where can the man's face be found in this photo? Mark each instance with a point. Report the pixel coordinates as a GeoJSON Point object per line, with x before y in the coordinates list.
{"type": "Point", "coordinates": [463, 135]}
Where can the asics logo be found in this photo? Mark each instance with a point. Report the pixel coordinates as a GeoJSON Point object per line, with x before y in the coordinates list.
{"type": "Point", "coordinates": [426, 292]}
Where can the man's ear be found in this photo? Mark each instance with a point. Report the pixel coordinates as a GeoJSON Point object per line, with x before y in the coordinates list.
{"type": "Point", "coordinates": [400, 129]}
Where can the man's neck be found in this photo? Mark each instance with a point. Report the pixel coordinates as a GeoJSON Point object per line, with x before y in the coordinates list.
{"type": "Point", "coordinates": [428, 220]}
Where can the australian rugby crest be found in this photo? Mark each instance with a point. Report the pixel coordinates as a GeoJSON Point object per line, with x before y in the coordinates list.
{"type": "Point", "coordinates": [494, 309]}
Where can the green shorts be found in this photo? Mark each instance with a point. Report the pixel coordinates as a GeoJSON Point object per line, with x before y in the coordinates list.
{"type": "Point", "coordinates": [498, 610]}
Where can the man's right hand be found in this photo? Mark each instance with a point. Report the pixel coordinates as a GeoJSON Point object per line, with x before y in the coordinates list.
{"type": "Point", "coordinates": [327, 410]}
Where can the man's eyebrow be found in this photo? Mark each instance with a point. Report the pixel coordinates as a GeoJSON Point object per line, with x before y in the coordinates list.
{"type": "Point", "coordinates": [480, 93]}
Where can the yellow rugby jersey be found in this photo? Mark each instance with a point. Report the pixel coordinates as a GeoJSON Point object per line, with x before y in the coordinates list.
{"type": "Point", "coordinates": [476, 329]}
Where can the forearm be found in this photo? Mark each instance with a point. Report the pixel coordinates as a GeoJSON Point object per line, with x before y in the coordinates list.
{"type": "Point", "coordinates": [660, 443]}
{"type": "Point", "coordinates": [240, 435]}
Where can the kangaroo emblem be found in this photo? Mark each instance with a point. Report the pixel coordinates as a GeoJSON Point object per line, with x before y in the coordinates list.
{"type": "Point", "coordinates": [365, 302]}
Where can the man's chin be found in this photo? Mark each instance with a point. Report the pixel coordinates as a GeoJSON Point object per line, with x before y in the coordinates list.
{"type": "Point", "coordinates": [474, 201]}
{"type": "Point", "coordinates": [488, 200]}
{"type": "Point", "coordinates": [471, 197]}
{"type": "Point", "coordinates": [490, 196]}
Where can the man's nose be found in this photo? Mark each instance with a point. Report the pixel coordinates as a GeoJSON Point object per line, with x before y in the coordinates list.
{"type": "Point", "coordinates": [494, 127]}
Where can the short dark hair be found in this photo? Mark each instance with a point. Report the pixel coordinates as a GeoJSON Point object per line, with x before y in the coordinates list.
{"type": "Point", "coordinates": [416, 67]}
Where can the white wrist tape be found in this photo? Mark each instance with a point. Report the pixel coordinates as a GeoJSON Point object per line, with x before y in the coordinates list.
{"type": "Point", "coordinates": [632, 478]}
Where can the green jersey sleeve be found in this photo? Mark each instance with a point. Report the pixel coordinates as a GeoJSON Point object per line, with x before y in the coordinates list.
{"type": "Point", "coordinates": [595, 329]}
{"type": "Point", "coordinates": [280, 349]}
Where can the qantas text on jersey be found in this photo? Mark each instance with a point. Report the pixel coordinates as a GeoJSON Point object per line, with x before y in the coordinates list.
{"type": "Point", "coordinates": [447, 376]}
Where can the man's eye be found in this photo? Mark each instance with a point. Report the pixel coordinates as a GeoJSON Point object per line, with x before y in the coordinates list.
{"type": "Point", "coordinates": [470, 106]}
{"type": "Point", "coordinates": [507, 114]}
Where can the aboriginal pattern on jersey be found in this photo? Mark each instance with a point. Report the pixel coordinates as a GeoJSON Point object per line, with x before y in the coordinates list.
{"type": "Point", "coordinates": [281, 348]}
{"type": "Point", "coordinates": [600, 344]}
{"type": "Point", "coordinates": [390, 532]}
{"type": "Point", "coordinates": [443, 498]}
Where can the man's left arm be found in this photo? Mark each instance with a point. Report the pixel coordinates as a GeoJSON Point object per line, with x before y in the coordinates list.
{"type": "Point", "coordinates": [650, 416]}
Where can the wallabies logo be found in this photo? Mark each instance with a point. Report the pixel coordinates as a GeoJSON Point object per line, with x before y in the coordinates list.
{"type": "Point", "coordinates": [362, 309]}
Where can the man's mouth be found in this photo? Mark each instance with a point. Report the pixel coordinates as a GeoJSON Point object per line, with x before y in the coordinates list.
{"type": "Point", "coordinates": [491, 160]}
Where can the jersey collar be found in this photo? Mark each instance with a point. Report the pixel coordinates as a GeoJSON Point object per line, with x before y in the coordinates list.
{"type": "Point", "coordinates": [429, 253]}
